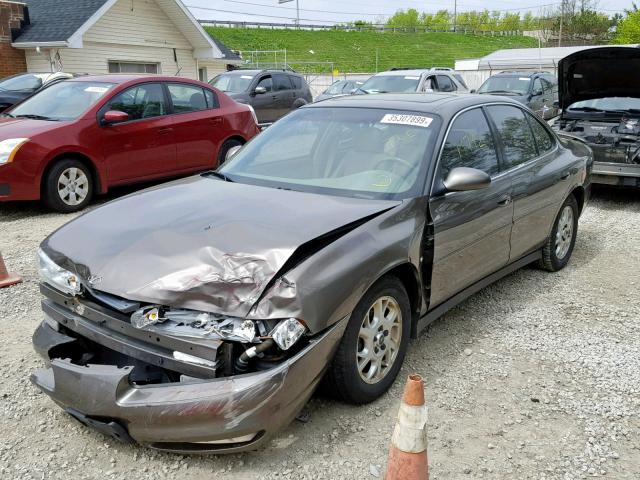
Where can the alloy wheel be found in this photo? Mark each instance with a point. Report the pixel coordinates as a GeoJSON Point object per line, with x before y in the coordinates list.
{"type": "Point", "coordinates": [379, 339]}
{"type": "Point", "coordinates": [564, 233]}
{"type": "Point", "coordinates": [73, 186]}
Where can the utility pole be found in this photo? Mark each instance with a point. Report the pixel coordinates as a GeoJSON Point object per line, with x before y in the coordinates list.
{"type": "Point", "coordinates": [455, 14]}
{"type": "Point", "coordinates": [298, 13]}
{"type": "Point", "coordinates": [561, 22]}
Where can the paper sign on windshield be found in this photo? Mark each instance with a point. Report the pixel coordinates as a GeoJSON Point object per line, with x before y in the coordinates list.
{"type": "Point", "coordinates": [96, 89]}
{"type": "Point", "coordinates": [412, 120]}
{"type": "Point", "coordinates": [412, 78]}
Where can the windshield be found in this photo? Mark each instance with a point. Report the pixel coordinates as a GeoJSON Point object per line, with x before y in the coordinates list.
{"type": "Point", "coordinates": [615, 104]}
{"type": "Point", "coordinates": [62, 101]}
{"type": "Point", "coordinates": [391, 83]}
{"type": "Point", "coordinates": [357, 152]}
{"type": "Point", "coordinates": [232, 82]}
{"type": "Point", "coordinates": [335, 89]}
{"type": "Point", "coordinates": [513, 85]}
{"type": "Point", "coordinates": [26, 82]}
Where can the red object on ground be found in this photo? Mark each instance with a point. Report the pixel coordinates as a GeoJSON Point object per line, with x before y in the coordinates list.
{"type": "Point", "coordinates": [157, 127]}
{"type": "Point", "coordinates": [408, 452]}
{"type": "Point", "coordinates": [5, 278]}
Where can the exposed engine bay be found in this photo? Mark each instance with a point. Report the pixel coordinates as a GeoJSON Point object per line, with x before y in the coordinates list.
{"type": "Point", "coordinates": [611, 141]}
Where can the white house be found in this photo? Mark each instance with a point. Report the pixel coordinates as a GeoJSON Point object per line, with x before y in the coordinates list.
{"type": "Point", "coordinates": [118, 36]}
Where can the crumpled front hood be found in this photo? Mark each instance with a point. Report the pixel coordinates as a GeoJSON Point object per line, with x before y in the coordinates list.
{"type": "Point", "coordinates": [598, 73]}
{"type": "Point", "coordinates": [200, 243]}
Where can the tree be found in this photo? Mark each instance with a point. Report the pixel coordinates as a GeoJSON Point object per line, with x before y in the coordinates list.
{"type": "Point", "coordinates": [629, 29]}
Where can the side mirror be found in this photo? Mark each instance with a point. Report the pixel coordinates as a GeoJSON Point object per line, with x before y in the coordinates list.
{"type": "Point", "coordinates": [536, 93]}
{"type": "Point", "coordinates": [260, 90]}
{"type": "Point", "coordinates": [114, 116]}
{"type": "Point", "coordinates": [462, 179]}
{"type": "Point", "coordinates": [556, 104]}
{"type": "Point", "coordinates": [231, 152]}
{"type": "Point", "coordinates": [473, 90]}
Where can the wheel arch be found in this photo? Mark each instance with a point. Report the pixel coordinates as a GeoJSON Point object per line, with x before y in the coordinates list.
{"type": "Point", "coordinates": [579, 195]}
{"type": "Point", "coordinates": [86, 161]}
{"type": "Point", "coordinates": [408, 275]}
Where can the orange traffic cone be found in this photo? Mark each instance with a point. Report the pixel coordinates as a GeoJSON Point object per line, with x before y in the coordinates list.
{"type": "Point", "coordinates": [5, 278]}
{"type": "Point", "coordinates": [408, 452]}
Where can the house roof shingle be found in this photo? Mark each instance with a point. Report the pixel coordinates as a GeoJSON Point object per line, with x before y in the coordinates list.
{"type": "Point", "coordinates": [58, 20]}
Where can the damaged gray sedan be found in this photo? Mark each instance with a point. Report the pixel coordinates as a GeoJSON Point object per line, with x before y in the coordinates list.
{"type": "Point", "coordinates": [200, 315]}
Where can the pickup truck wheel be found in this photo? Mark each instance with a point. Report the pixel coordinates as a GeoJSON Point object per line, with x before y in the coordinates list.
{"type": "Point", "coordinates": [68, 186]}
{"type": "Point", "coordinates": [374, 344]}
{"type": "Point", "coordinates": [559, 246]}
{"type": "Point", "coordinates": [224, 149]}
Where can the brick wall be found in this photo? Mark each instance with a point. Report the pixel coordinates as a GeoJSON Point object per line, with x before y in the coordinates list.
{"type": "Point", "coordinates": [12, 60]}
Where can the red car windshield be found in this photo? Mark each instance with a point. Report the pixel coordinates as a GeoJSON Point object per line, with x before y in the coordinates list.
{"type": "Point", "coordinates": [63, 101]}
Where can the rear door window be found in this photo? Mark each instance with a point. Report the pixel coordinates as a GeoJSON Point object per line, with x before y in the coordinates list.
{"type": "Point", "coordinates": [544, 139]}
{"type": "Point", "coordinates": [470, 144]}
{"type": "Point", "coordinates": [212, 99]}
{"type": "Point", "coordinates": [187, 98]}
{"type": "Point", "coordinates": [515, 134]}
{"type": "Point", "coordinates": [142, 101]}
{"type": "Point", "coordinates": [281, 82]}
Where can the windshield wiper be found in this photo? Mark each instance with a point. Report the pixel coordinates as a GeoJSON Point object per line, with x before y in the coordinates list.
{"type": "Point", "coordinates": [7, 114]}
{"type": "Point", "coordinates": [508, 92]}
{"type": "Point", "coordinates": [587, 109]}
{"type": "Point", "coordinates": [221, 176]}
{"type": "Point", "coordinates": [33, 116]}
{"type": "Point", "coordinates": [361, 90]}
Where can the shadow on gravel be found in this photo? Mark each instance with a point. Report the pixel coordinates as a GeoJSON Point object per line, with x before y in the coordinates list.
{"type": "Point", "coordinates": [615, 198]}
{"type": "Point", "coordinates": [12, 211]}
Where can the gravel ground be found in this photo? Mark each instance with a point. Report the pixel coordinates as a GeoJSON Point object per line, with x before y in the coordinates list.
{"type": "Point", "coordinates": [537, 376]}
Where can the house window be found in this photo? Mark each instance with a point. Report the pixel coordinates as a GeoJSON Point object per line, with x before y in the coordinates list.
{"type": "Point", "coordinates": [202, 74]}
{"type": "Point", "coordinates": [133, 67]}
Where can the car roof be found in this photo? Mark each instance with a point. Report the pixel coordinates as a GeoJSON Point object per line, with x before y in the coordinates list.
{"type": "Point", "coordinates": [120, 78]}
{"type": "Point", "coordinates": [443, 104]}
{"type": "Point", "coordinates": [240, 71]}
{"type": "Point", "coordinates": [417, 71]}
{"type": "Point", "coordinates": [521, 73]}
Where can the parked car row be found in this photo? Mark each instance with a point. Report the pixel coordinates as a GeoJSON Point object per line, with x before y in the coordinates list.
{"type": "Point", "coordinates": [201, 314]}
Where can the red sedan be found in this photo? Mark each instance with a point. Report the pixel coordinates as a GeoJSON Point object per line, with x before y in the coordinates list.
{"type": "Point", "coordinates": [82, 136]}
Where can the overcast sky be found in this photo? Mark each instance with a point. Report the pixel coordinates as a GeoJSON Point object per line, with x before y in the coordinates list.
{"type": "Point", "coordinates": [323, 11]}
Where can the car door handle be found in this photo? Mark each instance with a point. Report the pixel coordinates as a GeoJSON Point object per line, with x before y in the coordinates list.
{"type": "Point", "coordinates": [504, 201]}
{"type": "Point", "coordinates": [164, 131]}
{"type": "Point", "coordinates": [564, 176]}
{"type": "Point", "coordinates": [215, 121]}
{"type": "Point", "coordinates": [274, 97]}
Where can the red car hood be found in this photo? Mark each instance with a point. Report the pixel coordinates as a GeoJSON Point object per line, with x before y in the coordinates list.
{"type": "Point", "coordinates": [25, 127]}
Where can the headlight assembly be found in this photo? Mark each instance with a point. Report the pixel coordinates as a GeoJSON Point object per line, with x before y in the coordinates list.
{"type": "Point", "coordinates": [288, 332]}
{"type": "Point", "coordinates": [58, 277]}
{"type": "Point", "coordinates": [9, 148]}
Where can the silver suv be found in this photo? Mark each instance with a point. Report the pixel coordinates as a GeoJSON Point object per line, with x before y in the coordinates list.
{"type": "Point", "coordinates": [401, 80]}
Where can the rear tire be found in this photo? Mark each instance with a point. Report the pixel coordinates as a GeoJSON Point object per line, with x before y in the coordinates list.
{"type": "Point", "coordinates": [373, 346]}
{"type": "Point", "coordinates": [68, 186]}
{"type": "Point", "coordinates": [558, 248]}
{"type": "Point", "coordinates": [224, 149]}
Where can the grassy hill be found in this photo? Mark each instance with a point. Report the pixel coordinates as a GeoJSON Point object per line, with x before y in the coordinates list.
{"type": "Point", "coordinates": [356, 51]}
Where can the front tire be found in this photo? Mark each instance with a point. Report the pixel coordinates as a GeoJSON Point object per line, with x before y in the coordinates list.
{"type": "Point", "coordinates": [559, 246]}
{"type": "Point", "coordinates": [374, 344]}
{"type": "Point", "coordinates": [68, 186]}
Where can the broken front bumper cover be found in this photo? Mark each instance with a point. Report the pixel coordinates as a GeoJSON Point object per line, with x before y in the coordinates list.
{"type": "Point", "coordinates": [215, 415]}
